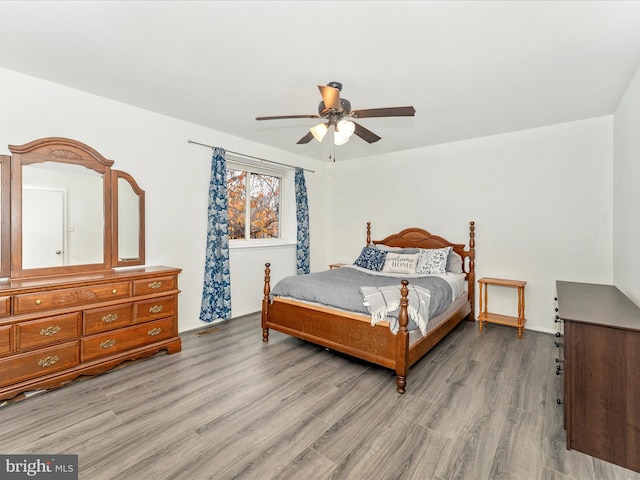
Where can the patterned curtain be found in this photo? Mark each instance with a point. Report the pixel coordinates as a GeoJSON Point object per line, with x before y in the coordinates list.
{"type": "Point", "coordinates": [216, 292]}
{"type": "Point", "coordinates": [302, 216]}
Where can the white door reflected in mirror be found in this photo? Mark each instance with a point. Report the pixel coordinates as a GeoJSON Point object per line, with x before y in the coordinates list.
{"type": "Point", "coordinates": [43, 239]}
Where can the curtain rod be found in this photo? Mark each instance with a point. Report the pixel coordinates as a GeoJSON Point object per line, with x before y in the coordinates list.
{"type": "Point", "coordinates": [251, 156]}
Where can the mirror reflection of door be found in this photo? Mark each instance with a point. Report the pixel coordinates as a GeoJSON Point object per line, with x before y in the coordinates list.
{"type": "Point", "coordinates": [43, 239]}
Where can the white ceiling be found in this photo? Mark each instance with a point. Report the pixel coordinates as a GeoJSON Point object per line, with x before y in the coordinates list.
{"type": "Point", "coordinates": [470, 69]}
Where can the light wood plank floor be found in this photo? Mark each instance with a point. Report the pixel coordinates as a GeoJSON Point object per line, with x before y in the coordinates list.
{"type": "Point", "coordinates": [479, 406]}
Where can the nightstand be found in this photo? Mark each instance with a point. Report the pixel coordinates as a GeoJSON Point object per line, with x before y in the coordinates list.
{"type": "Point", "coordinates": [486, 316]}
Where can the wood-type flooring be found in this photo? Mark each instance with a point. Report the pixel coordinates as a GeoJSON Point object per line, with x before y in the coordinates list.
{"type": "Point", "coordinates": [481, 405]}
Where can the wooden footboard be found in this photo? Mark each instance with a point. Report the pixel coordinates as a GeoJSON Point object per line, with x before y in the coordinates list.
{"type": "Point", "coordinates": [353, 334]}
{"type": "Point", "coordinates": [349, 334]}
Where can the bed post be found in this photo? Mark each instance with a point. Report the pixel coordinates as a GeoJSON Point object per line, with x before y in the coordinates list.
{"type": "Point", "coordinates": [265, 302]}
{"type": "Point", "coordinates": [472, 271]}
{"type": "Point", "coordinates": [368, 233]}
{"type": "Point", "coordinates": [402, 340]}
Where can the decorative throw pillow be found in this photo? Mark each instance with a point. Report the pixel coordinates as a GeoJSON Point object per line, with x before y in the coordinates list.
{"type": "Point", "coordinates": [371, 259]}
{"type": "Point", "coordinates": [433, 261]}
{"type": "Point", "coordinates": [400, 263]}
{"type": "Point", "coordinates": [455, 263]}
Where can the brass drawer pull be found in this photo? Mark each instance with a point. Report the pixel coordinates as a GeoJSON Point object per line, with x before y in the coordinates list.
{"type": "Point", "coordinates": [107, 344]}
{"type": "Point", "coordinates": [49, 331]}
{"type": "Point", "coordinates": [114, 291]}
{"type": "Point", "coordinates": [155, 309]}
{"type": "Point", "coordinates": [112, 317]}
{"type": "Point", "coordinates": [38, 302]}
{"type": "Point", "coordinates": [155, 285]}
{"type": "Point", "coordinates": [154, 332]}
{"type": "Point", "coordinates": [47, 362]}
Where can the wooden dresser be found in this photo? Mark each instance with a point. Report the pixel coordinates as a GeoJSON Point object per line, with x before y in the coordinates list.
{"type": "Point", "coordinates": [602, 372]}
{"type": "Point", "coordinates": [54, 329]}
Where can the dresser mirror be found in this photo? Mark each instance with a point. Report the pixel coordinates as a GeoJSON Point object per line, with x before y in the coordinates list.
{"type": "Point", "coordinates": [128, 207]}
{"type": "Point", "coordinates": [69, 211]}
{"type": "Point", "coordinates": [62, 215]}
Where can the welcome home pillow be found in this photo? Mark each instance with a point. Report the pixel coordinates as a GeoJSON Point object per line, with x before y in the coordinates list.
{"type": "Point", "coordinates": [371, 259]}
{"type": "Point", "coordinates": [401, 263]}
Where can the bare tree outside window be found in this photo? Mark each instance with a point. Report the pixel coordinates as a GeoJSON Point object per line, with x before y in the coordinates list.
{"type": "Point", "coordinates": [236, 197]}
{"type": "Point", "coordinates": [265, 206]}
{"type": "Point", "coordinates": [256, 214]}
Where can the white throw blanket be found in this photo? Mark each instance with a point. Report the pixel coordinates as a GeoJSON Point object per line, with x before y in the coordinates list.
{"type": "Point", "coordinates": [381, 301]}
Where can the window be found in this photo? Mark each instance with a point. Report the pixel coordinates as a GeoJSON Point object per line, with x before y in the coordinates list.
{"type": "Point", "coordinates": [254, 204]}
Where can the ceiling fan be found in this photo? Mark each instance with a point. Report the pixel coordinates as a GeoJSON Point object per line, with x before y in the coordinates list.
{"type": "Point", "coordinates": [337, 113]}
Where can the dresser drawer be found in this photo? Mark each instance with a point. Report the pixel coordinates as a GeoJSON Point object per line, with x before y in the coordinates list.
{"type": "Point", "coordinates": [68, 297]}
{"type": "Point", "coordinates": [5, 339]}
{"type": "Point", "coordinates": [154, 285]}
{"type": "Point", "coordinates": [5, 306]}
{"type": "Point", "coordinates": [125, 339]}
{"type": "Point", "coordinates": [39, 363]}
{"type": "Point", "coordinates": [154, 308]}
{"type": "Point", "coordinates": [35, 333]}
{"type": "Point", "coordinates": [107, 318]}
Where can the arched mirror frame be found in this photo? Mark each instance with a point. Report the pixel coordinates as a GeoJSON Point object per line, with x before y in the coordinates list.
{"type": "Point", "coordinates": [125, 262]}
{"type": "Point", "coordinates": [69, 151]}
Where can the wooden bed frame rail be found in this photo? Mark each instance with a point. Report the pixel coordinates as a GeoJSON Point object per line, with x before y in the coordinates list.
{"type": "Point", "coordinates": [353, 334]}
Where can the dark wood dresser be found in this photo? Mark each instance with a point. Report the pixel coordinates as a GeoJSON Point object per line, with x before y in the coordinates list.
{"type": "Point", "coordinates": [602, 372]}
{"type": "Point", "coordinates": [53, 330]}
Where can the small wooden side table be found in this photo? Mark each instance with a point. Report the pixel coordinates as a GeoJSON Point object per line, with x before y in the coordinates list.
{"type": "Point", "coordinates": [486, 316]}
{"type": "Point", "coordinates": [335, 265]}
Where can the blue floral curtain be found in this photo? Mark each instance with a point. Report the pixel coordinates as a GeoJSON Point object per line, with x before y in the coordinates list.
{"type": "Point", "coordinates": [302, 216]}
{"type": "Point", "coordinates": [216, 292]}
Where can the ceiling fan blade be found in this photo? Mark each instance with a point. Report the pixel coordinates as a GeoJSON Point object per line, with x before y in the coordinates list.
{"type": "Point", "coordinates": [306, 139]}
{"type": "Point", "coordinates": [384, 112]}
{"type": "Point", "coordinates": [331, 97]}
{"type": "Point", "coordinates": [365, 134]}
{"type": "Point", "coordinates": [282, 117]}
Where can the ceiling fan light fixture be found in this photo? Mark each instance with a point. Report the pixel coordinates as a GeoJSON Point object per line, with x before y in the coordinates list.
{"type": "Point", "coordinates": [346, 128]}
{"type": "Point", "coordinates": [339, 138]}
{"type": "Point", "coordinates": [319, 131]}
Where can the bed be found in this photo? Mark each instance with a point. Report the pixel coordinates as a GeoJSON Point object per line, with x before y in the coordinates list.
{"type": "Point", "coordinates": [352, 332]}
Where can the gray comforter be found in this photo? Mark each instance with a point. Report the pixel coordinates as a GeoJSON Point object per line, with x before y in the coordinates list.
{"type": "Point", "coordinates": [340, 288]}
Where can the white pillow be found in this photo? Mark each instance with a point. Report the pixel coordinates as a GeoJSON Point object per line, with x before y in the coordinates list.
{"type": "Point", "coordinates": [401, 263]}
{"type": "Point", "coordinates": [455, 263]}
{"type": "Point", "coordinates": [433, 261]}
{"type": "Point", "coordinates": [387, 248]}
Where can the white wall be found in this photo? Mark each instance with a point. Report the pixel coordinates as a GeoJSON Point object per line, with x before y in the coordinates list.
{"type": "Point", "coordinates": [541, 200]}
{"type": "Point", "coordinates": [626, 194]}
{"type": "Point", "coordinates": [175, 175]}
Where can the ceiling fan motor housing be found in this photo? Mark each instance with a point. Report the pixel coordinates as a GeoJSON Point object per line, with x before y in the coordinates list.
{"type": "Point", "coordinates": [345, 106]}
